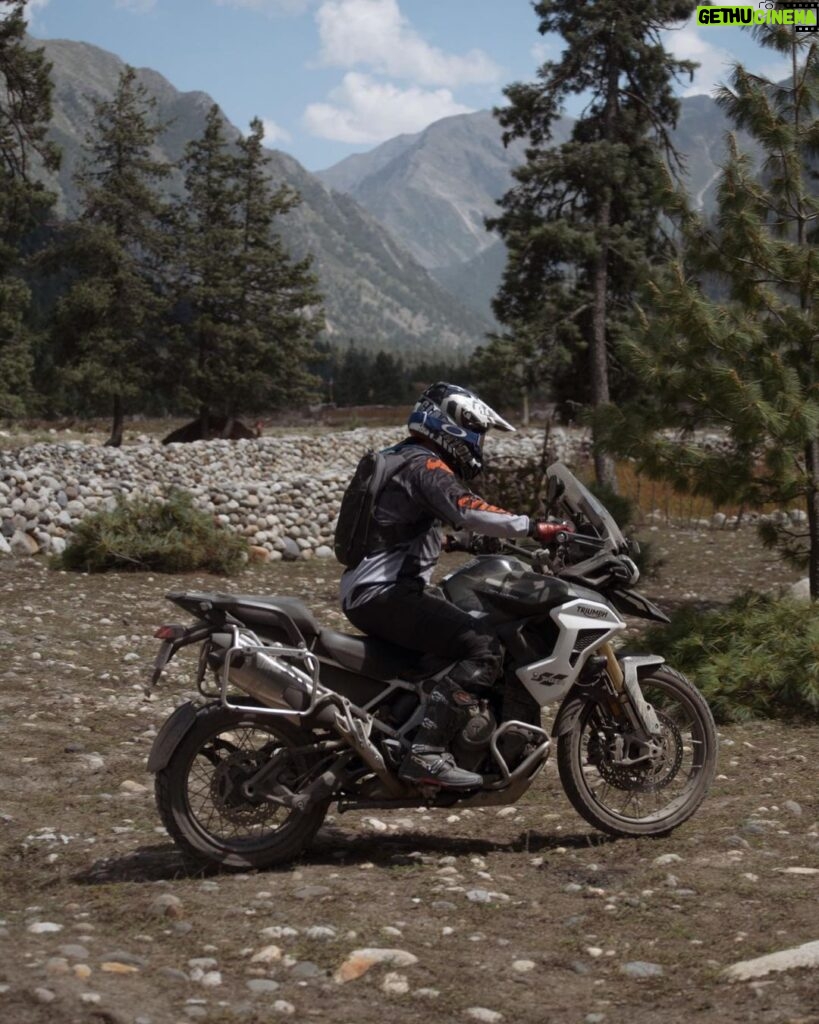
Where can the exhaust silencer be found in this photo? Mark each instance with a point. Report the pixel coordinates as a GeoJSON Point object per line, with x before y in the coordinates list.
{"type": "Point", "coordinates": [271, 680]}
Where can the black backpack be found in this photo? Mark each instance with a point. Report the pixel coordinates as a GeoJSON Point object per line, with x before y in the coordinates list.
{"type": "Point", "coordinates": [357, 533]}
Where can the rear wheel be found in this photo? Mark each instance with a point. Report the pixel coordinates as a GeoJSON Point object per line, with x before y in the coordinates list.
{"type": "Point", "coordinates": [199, 792]}
{"type": "Point", "coordinates": [622, 788]}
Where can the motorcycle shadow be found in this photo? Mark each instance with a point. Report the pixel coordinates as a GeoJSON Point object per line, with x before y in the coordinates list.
{"type": "Point", "coordinates": [334, 847]}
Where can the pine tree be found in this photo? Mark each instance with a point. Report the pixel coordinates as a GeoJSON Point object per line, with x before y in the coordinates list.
{"type": "Point", "coordinates": [280, 302]}
{"type": "Point", "coordinates": [108, 320]}
{"type": "Point", "coordinates": [25, 111]}
{"type": "Point", "coordinates": [250, 314]}
{"type": "Point", "coordinates": [582, 221]}
{"type": "Point", "coordinates": [748, 363]}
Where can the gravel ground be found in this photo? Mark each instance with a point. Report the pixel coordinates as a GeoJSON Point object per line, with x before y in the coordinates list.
{"type": "Point", "coordinates": [512, 914]}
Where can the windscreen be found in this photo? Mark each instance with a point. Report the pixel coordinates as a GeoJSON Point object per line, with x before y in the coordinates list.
{"type": "Point", "coordinates": [587, 513]}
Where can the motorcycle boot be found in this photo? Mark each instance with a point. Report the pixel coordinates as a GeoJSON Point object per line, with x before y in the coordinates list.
{"type": "Point", "coordinates": [428, 762]}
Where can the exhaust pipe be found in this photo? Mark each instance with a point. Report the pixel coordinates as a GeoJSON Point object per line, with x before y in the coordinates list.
{"type": "Point", "coordinates": [272, 681]}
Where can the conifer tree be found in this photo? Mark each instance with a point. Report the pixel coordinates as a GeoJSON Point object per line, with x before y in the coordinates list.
{"type": "Point", "coordinates": [582, 220]}
{"type": "Point", "coordinates": [107, 321]}
{"type": "Point", "coordinates": [25, 111]}
{"type": "Point", "coordinates": [748, 363]}
{"type": "Point", "coordinates": [249, 314]}
{"type": "Point", "coordinates": [280, 302]}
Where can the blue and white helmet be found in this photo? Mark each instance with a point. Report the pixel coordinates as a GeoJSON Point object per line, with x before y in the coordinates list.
{"type": "Point", "coordinates": [455, 420]}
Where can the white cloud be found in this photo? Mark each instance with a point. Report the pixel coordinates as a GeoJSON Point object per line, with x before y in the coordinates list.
{"type": "Point", "coordinates": [137, 6]}
{"type": "Point", "coordinates": [545, 49]}
{"type": "Point", "coordinates": [269, 7]}
{"type": "Point", "coordinates": [363, 110]}
{"type": "Point", "coordinates": [715, 62]}
{"type": "Point", "coordinates": [374, 34]}
{"type": "Point", "coordinates": [274, 132]}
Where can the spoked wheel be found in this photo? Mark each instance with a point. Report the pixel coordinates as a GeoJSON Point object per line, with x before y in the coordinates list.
{"type": "Point", "coordinates": [626, 788]}
{"type": "Point", "coordinates": [201, 800]}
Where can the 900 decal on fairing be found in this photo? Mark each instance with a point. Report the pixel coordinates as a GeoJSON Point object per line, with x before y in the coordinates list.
{"type": "Point", "coordinates": [295, 716]}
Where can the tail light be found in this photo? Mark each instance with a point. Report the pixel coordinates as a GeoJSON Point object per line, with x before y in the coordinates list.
{"type": "Point", "coordinates": [170, 632]}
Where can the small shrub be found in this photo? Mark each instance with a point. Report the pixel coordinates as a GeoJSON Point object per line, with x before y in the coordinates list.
{"type": "Point", "coordinates": [756, 658]}
{"type": "Point", "coordinates": [151, 535]}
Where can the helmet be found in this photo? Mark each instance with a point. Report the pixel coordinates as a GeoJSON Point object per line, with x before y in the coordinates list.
{"type": "Point", "coordinates": [455, 420]}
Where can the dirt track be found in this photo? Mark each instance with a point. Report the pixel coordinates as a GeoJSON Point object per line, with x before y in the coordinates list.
{"type": "Point", "coordinates": [569, 913]}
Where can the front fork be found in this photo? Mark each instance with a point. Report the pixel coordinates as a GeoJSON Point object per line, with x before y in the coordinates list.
{"type": "Point", "coordinates": [627, 697]}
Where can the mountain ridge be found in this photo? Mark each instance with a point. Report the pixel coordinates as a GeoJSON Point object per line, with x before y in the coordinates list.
{"type": "Point", "coordinates": [375, 292]}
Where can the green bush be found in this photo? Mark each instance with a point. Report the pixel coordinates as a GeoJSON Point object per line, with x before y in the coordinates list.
{"type": "Point", "coordinates": [756, 658]}
{"type": "Point", "coordinates": [153, 535]}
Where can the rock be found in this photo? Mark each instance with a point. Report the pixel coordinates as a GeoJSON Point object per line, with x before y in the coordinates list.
{"type": "Point", "coordinates": [641, 969]}
{"type": "Point", "coordinates": [129, 786]}
{"type": "Point", "coordinates": [44, 995]}
{"type": "Point", "coordinates": [321, 932]}
{"type": "Point", "coordinates": [44, 928]}
{"type": "Point", "coordinates": [361, 960]}
{"type": "Point", "coordinates": [310, 892]}
{"type": "Point", "coordinates": [282, 1006]}
{"type": "Point", "coordinates": [166, 905]}
{"type": "Point", "coordinates": [718, 519]}
{"type": "Point", "coordinates": [73, 951]}
{"type": "Point", "coordinates": [322, 551]}
{"type": "Point", "coordinates": [262, 985]}
{"type": "Point", "coordinates": [523, 966]}
{"type": "Point", "coordinates": [395, 984]}
{"type": "Point", "coordinates": [258, 554]}
{"type": "Point", "coordinates": [666, 859]}
{"type": "Point", "coordinates": [799, 591]}
{"type": "Point", "coordinates": [23, 546]}
{"type": "Point", "coordinates": [290, 550]}
{"type": "Point", "coordinates": [793, 807]}
{"type": "Point", "coordinates": [305, 969]}
{"type": "Point", "coordinates": [806, 955]}
{"type": "Point", "coordinates": [481, 1013]}
{"type": "Point", "coordinates": [115, 967]}
{"type": "Point", "coordinates": [268, 955]}
{"type": "Point", "coordinates": [486, 896]}
{"type": "Point", "coordinates": [5, 547]}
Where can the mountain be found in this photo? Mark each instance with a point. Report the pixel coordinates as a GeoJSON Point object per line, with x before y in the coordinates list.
{"type": "Point", "coordinates": [375, 292]}
{"type": "Point", "coordinates": [434, 189]}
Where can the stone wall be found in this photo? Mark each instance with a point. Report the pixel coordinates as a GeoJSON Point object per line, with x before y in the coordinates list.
{"type": "Point", "coordinates": [282, 493]}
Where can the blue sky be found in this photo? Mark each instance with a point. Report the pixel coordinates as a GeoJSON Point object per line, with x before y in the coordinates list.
{"type": "Point", "coordinates": [333, 77]}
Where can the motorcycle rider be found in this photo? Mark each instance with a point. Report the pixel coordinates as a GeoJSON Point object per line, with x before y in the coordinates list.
{"type": "Point", "coordinates": [387, 595]}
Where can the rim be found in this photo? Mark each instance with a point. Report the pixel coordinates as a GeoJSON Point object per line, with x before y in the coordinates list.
{"type": "Point", "coordinates": [656, 790]}
{"type": "Point", "coordinates": [217, 770]}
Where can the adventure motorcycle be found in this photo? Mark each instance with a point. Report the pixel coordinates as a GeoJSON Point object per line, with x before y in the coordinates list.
{"type": "Point", "coordinates": [247, 782]}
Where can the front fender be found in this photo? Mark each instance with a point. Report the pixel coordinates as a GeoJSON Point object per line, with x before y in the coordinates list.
{"type": "Point", "coordinates": [174, 729]}
{"type": "Point", "coordinates": [576, 699]}
{"type": "Point", "coordinates": [569, 712]}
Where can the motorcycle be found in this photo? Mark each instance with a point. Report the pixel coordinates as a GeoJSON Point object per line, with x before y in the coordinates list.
{"type": "Point", "coordinates": [294, 716]}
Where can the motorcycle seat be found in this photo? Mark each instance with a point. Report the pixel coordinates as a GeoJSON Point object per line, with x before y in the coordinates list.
{"type": "Point", "coordinates": [254, 610]}
{"type": "Point", "coordinates": [376, 658]}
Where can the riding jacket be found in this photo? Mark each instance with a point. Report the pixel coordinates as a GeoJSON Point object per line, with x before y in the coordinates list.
{"type": "Point", "coordinates": [423, 493]}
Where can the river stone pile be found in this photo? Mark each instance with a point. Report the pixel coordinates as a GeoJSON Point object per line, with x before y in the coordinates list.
{"type": "Point", "coordinates": [282, 493]}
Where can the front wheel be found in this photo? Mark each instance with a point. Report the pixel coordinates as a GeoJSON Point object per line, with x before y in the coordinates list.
{"type": "Point", "coordinates": [200, 799]}
{"type": "Point", "coordinates": [612, 782]}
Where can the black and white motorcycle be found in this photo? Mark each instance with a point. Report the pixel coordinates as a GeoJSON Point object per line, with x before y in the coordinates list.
{"type": "Point", "coordinates": [294, 716]}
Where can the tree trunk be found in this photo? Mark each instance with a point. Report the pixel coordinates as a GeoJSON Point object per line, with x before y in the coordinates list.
{"type": "Point", "coordinates": [115, 440]}
{"type": "Point", "coordinates": [812, 472]}
{"type": "Point", "coordinates": [204, 421]}
{"type": "Point", "coordinates": [603, 464]}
